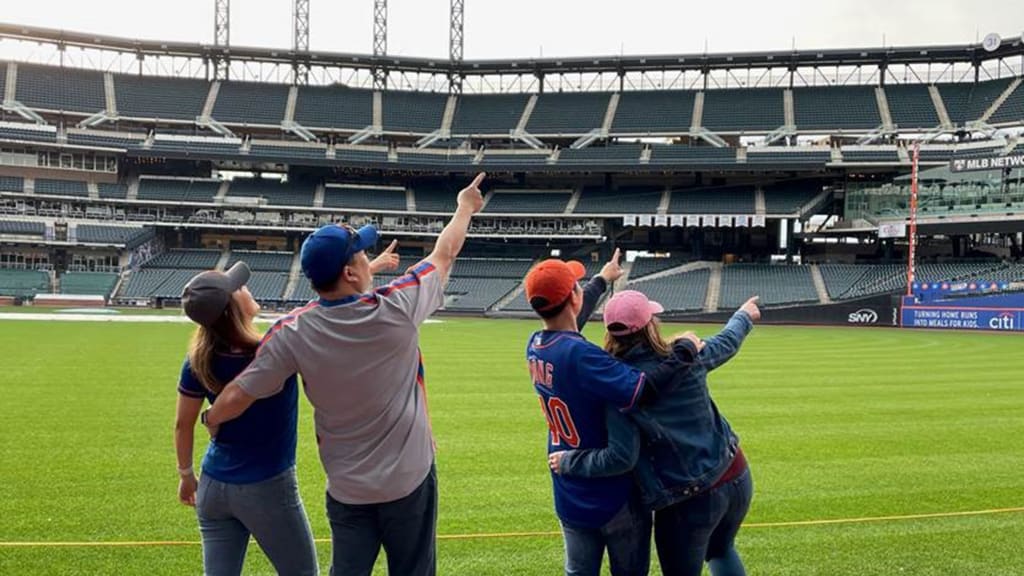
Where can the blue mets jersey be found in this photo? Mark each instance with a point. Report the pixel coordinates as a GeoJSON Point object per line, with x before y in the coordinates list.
{"type": "Point", "coordinates": [575, 381]}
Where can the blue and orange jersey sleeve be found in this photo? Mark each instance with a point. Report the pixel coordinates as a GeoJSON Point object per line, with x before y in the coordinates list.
{"type": "Point", "coordinates": [418, 294]}
{"type": "Point", "coordinates": [188, 384]}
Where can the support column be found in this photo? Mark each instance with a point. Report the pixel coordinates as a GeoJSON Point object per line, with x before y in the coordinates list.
{"type": "Point", "coordinates": [300, 41]}
{"type": "Point", "coordinates": [221, 37]}
{"type": "Point", "coordinates": [456, 44]}
{"type": "Point", "coordinates": [380, 42]}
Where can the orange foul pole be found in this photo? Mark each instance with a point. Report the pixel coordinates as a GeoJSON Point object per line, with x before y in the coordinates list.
{"type": "Point", "coordinates": [912, 251]}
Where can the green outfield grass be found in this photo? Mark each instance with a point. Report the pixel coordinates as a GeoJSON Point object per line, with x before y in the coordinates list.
{"type": "Point", "coordinates": [837, 424]}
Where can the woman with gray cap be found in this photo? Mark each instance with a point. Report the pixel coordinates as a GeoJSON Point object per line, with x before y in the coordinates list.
{"type": "Point", "coordinates": [248, 484]}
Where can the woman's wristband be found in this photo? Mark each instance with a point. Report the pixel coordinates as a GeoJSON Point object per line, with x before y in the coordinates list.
{"type": "Point", "coordinates": [186, 471]}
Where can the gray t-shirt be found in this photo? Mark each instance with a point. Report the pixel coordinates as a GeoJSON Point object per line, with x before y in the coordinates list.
{"type": "Point", "coordinates": [361, 368]}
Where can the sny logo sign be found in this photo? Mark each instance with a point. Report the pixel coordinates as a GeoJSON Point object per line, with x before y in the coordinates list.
{"type": "Point", "coordinates": [863, 316]}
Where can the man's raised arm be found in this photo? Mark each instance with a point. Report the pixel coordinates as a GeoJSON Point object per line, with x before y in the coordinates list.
{"type": "Point", "coordinates": [450, 242]}
{"type": "Point", "coordinates": [597, 286]}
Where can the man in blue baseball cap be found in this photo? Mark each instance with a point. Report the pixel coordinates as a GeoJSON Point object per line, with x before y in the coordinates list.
{"type": "Point", "coordinates": [357, 350]}
{"type": "Point", "coordinates": [327, 252]}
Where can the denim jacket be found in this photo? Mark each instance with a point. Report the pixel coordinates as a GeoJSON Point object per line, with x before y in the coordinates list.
{"type": "Point", "coordinates": [687, 444]}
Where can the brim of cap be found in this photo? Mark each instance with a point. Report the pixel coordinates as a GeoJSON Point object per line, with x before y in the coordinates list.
{"type": "Point", "coordinates": [364, 238]}
{"type": "Point", "coordinates": [655, 307]}
{"type": "Point", "coordinates": [238, 275]}
{"type": "Point", "coordinates": [577, 268]}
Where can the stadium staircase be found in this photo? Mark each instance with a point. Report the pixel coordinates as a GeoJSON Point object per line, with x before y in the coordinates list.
{"type": "Point", "coordinates": [883, 109]}
{"type": "Point", "coordinates": [698, 113]}
{"type": "Point", "coordinates": [760, 206]}
{"type": "Point", "coordinates": [815, 203]}
{"type": "Point", "coordinates": [573, 201]}
{"type": "Point", "coordinates": [318, 195]}
{"type": "Point", "coordinates": [487, 200]}
{"type": "Point", "coordinates": [294, 276]}
{"type": "Point", "coordinates": [819, 285]}
{"type": "Point", "coordinates": [1000, 100]}
{"type": "Point", "coordinates": [222, 192]}
{"type": "Point", "coordinates": [666, 200]}
{"type": "Point", "coordinates": [682, 269]}
{"type": "Point", "coordinates": [788, 108]}
{"type": "Point", "coordinates": [133, 189]}
{"type": "Point", "coordinates": [509, 298]}
{"type": "Point", "coordinates": [609, 115]}
{"type": "Point", "coordinates": [118, 283]}
{"type": "Point", "coordinates": [410, 200]}
{"type": "Point", "coordinates": [11, 87]}
{"type": "Point", "coordinates": [225, 257]}
{"type": "Point", "coordinates": [714, 288]}
{"type": "Point", "coordinates": [211, 100]}
{"type": "Point", "coordinates": [940, 108]}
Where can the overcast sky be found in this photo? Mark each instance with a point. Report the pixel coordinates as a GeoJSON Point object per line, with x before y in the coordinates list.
{"type": "Point", "coordinates": [527, 28]}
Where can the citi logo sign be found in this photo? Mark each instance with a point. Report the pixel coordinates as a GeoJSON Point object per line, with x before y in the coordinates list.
{"type": "Point", "coordinates": [863, 316]}
{"type": "Point", "coordinates": [1002, 322]}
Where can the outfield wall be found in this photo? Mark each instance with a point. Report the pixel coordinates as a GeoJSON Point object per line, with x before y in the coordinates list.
{"type": "Point", "coordinates": [875, 311]}
{"type": "Point", "coordinates": [997, 313]}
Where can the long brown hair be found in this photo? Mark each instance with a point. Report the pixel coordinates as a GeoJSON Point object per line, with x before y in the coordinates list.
{"type": "Point", "coordinates": [232, 332]}
{"type": "Point", "coordinates": [649, 336]}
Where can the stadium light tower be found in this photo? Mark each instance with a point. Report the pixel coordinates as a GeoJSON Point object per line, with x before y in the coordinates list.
{"type": "Point", "coordinates": [221, 36]}
{"type": "Point", "coordinates": [300, 40]}
{"type": "Point", "coordinates": [380, 42]}
{"type": "Point", "coordinates": [455, 44]}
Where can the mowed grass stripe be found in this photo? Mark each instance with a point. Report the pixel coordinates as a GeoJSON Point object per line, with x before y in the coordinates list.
{"type": "Point", "coordinates": [838, 423]}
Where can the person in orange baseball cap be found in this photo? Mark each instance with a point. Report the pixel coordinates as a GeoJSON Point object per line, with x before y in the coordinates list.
{"type": "Point", "coordinates": [551, 285]}
{"type": "Point", "coordinates": [577, 383]}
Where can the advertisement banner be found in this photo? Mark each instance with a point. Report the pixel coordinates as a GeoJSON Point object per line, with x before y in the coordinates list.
{"type": "Point", "coordinates": [949, 318]}
{"type": "Point", "coordinates": [661, 220]}
{"type": "Point", "coordinates": [892, 230]}
{"type": "Point", "coordinates": [991, 163]}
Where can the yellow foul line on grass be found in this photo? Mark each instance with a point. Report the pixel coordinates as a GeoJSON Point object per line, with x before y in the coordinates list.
{"type": "Point", "coordinates": [498, 535]}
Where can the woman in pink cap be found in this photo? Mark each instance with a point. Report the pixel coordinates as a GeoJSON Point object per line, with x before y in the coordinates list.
{"type": "Point", "coordinates": [691, 469]}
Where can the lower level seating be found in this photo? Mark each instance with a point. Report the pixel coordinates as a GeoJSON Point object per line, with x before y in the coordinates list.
{"type": "Point", "coordinates": [23, 283]}
{"type": "Point", "coordinates": [678, 292]}
{"type": "Point", "coordinates": [88, 283]}
{"type": "Point", "coordinates": [647, 266]}
{"type": "Point", "coordinates": [776, 285]}
{"type": "Point", "coordinates": [476, 294]}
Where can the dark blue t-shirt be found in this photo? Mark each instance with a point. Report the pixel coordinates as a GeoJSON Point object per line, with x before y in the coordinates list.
{"type": "Point", "coordinates": [575, 381]}
{"type": "Point", "coordinates": [260, 443]}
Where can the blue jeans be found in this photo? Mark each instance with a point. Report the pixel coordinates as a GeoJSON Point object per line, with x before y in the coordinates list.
{"type": "Point", "coordinates": [270, 510]}
{"type": "Point", "coordinates": [704, 528]}
{"type": "Point", "coordinates": [627, 537]}
{"type": "Point", "coordinates": [406, 528]}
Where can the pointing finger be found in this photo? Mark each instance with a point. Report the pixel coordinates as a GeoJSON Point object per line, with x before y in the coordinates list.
{"type": "Point", "coordinates": [391, 247]}
{"type": "Point", "coordinates": [478, 180]}
{"type": "Point", "coordinates": [616, 256]}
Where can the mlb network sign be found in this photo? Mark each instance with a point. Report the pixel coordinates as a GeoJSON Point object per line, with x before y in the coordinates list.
{"type": "Point", "coordinates": [992, 163]}
{"type": "Point", "coordinates": [990, 319]}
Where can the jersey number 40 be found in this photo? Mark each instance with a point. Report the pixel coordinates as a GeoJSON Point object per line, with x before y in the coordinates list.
{"type": "Point", "coordinates": [560, 422]}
